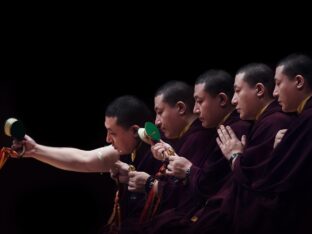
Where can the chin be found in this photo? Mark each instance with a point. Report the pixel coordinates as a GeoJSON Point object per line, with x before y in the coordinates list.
{"type": "Point", "coordinates": [285, 109]}
{"type": "Point", "coordinates": [242, 117]}
{"type": "Point", "coordinates": [167, 135]}
{"type": "Point", "coordinates": [204, 124]}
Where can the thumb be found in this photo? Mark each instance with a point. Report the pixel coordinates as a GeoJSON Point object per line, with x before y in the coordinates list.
{"type": "Point", "coordinates": [243, 140]}
{"type": "Point", "coordinates": [284, 131]}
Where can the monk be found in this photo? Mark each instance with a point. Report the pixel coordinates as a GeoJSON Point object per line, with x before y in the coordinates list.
{"type": "Point", "coordinates": [213, 93]}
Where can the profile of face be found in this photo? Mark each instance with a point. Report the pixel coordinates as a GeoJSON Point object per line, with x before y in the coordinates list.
{"type": "Point", "coordinates": [167, 118]}
{"type": "Point", "coordinates": [285, 91]}
{"type": "Point", "coordinates": [208, 107]}
{"type": "Point", "coordinates": [245, 98]}
{"type": "Point", "coordinates": [123, 140]}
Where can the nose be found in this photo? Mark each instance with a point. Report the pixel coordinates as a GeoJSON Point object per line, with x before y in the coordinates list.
{"type": "Point", "coordinates": [108, 138]}
{"type": "Point", "coordinates": [157, 122]}
{"type": "Point", "coordinates": [234, 100]}
{"type": "Point", "coordinates": [275, 92]}
{"type": "Point", "coordinates": [196, 109]}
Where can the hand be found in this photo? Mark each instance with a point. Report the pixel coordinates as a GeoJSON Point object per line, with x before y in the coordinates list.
{"type": "Point", "coordinates": [28, 143]}
{"type": "Point", "coordinates": [279, 136]}
{"type": "Point", "coordinates": [160, 150]}
{"type": "Point", "coordinates": [229, 143]}
{"type": "Point", "coordinates": [178, 166]}
{"type": "Point", "coordinates": [137, 181]}
{"type": "Point", "coordinates": [120, 171]}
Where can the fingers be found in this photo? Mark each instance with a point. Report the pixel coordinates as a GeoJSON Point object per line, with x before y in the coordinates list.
{"type": "Point", "coordinates": [133, 174]}
{"type": "Point", "coordinates": [121, 165]}
{"type": "Point", "coordinates": [118, 164]}
{"type": "Point", "coordinates": [173, 157]}
{"type": "Point", "coordinates": [131, 184]}
{"type": "Point", "coordinates": [161, 151]}
{"type": "Point", "coordinates": [114, 171]}
{"type": "Point", "coordinates": [137, 181]}
{"type": "Point", "coordinates": [280, 134]}
{"type": "Point", "coordinates": [219, 142]}
{"type": "Point", "coordinates": [223, 134]}
{"type": "Point", "coordinates": [158, 151]}
{"type": "Point", "coordinates": [231, 132]}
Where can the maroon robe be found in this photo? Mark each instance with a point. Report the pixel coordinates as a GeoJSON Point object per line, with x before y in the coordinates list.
{"type": "Point", "coordinates": [231, 209]}
{"type": "Point", "coordinates": [193, 145]}
{"type": "Point", "coordinates": [210, 163]}
{"type": "Point", "coordinates": [132, 203]}
{"type": "Point", "coordinates": [285, 189]}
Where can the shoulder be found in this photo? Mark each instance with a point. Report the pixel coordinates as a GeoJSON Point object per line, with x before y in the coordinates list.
{"type": "Point", "coordinates": [278, 119]}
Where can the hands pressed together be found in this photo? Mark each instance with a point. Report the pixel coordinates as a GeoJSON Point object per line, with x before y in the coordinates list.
{"type": "Point", "coordinates": [229, 143]}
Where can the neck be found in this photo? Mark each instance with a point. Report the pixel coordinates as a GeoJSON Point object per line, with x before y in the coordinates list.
{"type": "Point", "coordinates": [303, 102]}
{"type": "Point", "coordinates": [227, 112]}
{"type": "Point", "coordinates": [189, 119]}
{"type": "Point", "coordinates": [263, 106]}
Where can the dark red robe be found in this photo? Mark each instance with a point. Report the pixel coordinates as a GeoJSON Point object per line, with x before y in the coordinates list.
{"type": "Point", "coordinates": [234, 209]}
{"type": "Point", "coordinates": [191, 144]}
{"type": "Point", "coordinates": [209, 172]}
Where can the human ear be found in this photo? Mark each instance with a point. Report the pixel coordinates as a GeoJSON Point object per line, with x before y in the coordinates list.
{"type": "Point", "coordinates": [223, 99]}
{"type": "Point", "coordinates": [181, 107]}
{"type": "Point", "coordinates": [299, 81]}
{"type": "Point", "coordinates": [135, 129]}
{"type": "Point", "coordinates": [260, 89]}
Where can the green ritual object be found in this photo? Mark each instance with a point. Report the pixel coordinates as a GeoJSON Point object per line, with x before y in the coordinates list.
{"type": "Point", "coordinates": [149, 133]}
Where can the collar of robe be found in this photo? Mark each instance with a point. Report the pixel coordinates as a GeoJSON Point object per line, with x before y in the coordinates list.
{"type": "Point", "coordinates": [263, 110]}
{"type": "Point", "coordinates": [302, 104]}
{"type": "Point", "coordinates": [225, 118]}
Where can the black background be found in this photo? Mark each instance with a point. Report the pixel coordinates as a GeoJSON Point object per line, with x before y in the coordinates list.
{"type": "Point", "coordinates": [58, 81]}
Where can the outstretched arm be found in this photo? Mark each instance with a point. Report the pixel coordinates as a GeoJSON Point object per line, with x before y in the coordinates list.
{"type": "Point", "coordinates": [71, 159]}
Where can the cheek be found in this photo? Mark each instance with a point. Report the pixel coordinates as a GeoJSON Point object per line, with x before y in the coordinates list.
{"type": "Point", "coordinates": [241, 98]}
{"type": "Point", "coordinates": [205, 108]}
{"type": "Point", "coordinates": [284, 90]}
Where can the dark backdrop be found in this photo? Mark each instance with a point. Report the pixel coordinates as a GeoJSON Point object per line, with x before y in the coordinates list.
{"type": "Point", "coordinates": [59, 87]}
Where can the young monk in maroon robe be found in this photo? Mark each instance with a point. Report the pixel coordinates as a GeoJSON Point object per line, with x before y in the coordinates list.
{"type": "Point", "coordinates": [189, 139]}
{"type": "Point", "coordinates": [123, 113]}
{"type": "Point", "coordinates": [174, 105]}
{"type": "Point", "coordinates": [253, 99]}
{"type": "Point", "coordinates": [213, 93]}
{"type": "Point", "coordinates": [282, 194]}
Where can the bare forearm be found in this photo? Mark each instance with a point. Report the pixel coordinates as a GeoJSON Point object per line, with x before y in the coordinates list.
{"type": "Point", "coordinates": [72, 159]}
